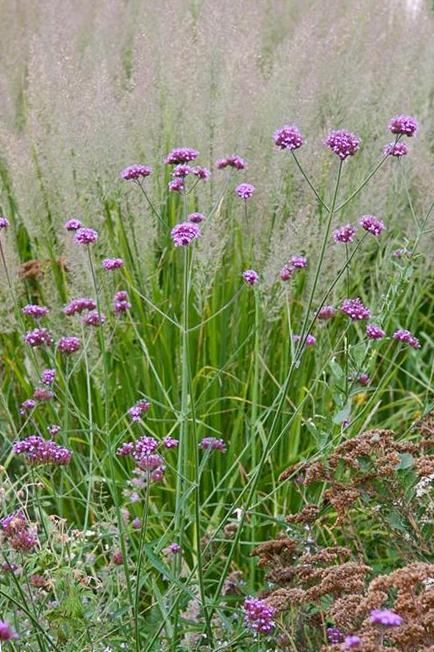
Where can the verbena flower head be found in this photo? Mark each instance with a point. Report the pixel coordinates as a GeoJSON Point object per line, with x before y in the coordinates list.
{"type": "Point", "coordinates": [136, 523]}
{"type": "Point", "coordinates": [38, 337]}
{"type": "Point", "coordinates": [212, 443]}
{"type": "Point", "coordinates": [174, 548]}
{"type": "Point", "coordinates": [33, 310]}
{"type": "Point", "coordinates": [112, 263]}
{"type": "Point", "coordinates": [78, 306]}
{"type": "Point", "coordinates": [181, 155]}
{"type": "Point", "coordinates": [286, 272]}
{"type": "Point", "coordinates": [233, 161]}
{"type": "Point", "coordinates": [4, 222]}
{"type": "Point", "coordinates": [68, 344]}
{"type": "Point", "coordinates": [93, 318]}
{"type": "Point", "coordinates": [258, 615]}
{"type": "Point", "coordinates": [386, 618]}
{"type": "Point", "coordinates": [327, 312]}
{"type": "Point", "coordinates": [27, 406]}
{"type": "Point", "coordinates": [343, 143]}
{"type": "Point", "coordinates": [184, 233]}
{"type": "Point", "coordinates": [134, 172]}
{"type": "Point", "coordinates": [141, 407]}
{"type": "Point", "coordinates": [72, 225]}
{"type": "Point", "coordinates": [85, 236]}
{"type": "Point", "coordinates": [298, 262]}
{"type": "Point", "coordinates": [372, 224]}
{"type": "Point", "coordinates": [334, 635]}
{"type": "Point", "coordinates": [176, 185]}
{"type": "Point", "coordinates": [396, 149]}
{"type": "Point", "coordinates": [344, 233]}
{"type": "Point", "coordinates": [6, 631]}
{"type": "Point", "coordinates": [117, 558]}
{"type": "Point", "coordinates": [120, 302]}
{"type": "Point", "coordinates": [250, 277]}
{"type": "Point", "coordinates": [170, 442]}
{"type": "Point", "coordinates": [363, 379]}
{"type": "Point", "coordinates": [405, 125]}
{"type": "Point", "coordinates": [48, 376]}
{"type": "Point", "coordinates": [288, 137]}
{"type": "Point", "coordinates": [374, 332]}
{"type": "Point", "coordinates": [181, 171]}
{"type": "Point", "coordinates": [403, 335]}
{"type": "Point", "coordinates": [37, 450]}
{"type": "Point", "coordinates": [355, 309]}
{"type": "Point", "coordinates": [43, 394]}
{"type": "Point", "coordinates": [196, 218]}
{"type": "Point", "coordinates": [310, 340]}
{"type": "Point", "coordinates": [53, 430]}
{"type": "Point", "coordinates": [201, 172]}
{"type": "Point", "coordinates": [245, 190]}
{"type": "Point", "coordinates": [18, 533]}
{"type": "Point", "coordinates": [352, 642]}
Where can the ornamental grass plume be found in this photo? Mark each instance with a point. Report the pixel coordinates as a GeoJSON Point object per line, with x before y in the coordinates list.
{"type": "Point", "coordinates": [343, 143]}
{"type": "Point", "coordinates": [288, 137]}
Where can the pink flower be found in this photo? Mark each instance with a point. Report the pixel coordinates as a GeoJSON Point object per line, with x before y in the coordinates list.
{"type": "Point", "coordinates": [6, 631]}
{"type": "Point", "coordinates": [212, 443]}
{"type": "Point", "coordinates": [181, 155]}
{"type": "Point", "coordinates": [372, 224]}
{"type": "Point", "coordinates": [404, 125]}
{"type": "Point", "coordinates": [85, 236]}
{"type": "Point", "coordinates": [196, 218]}
{"type": "Point", "coordinates": [343, 143]}
{"type": "Point", "coordinates": [38, 337]}
{"type": "Point", "coordinates": [245, 190]}
{"type": "Point", "coordinates": [79, 305]}
{"type": "Point", "coordinates": [184, 233]}
{"type": "Point", "coordinates": [344, 234]}
{"type": "Point", "coordinates": [112, 263]}
{"type": "Point", "coordinates": [4, 222]}
{"type": "Point", "coordinates": [93, 318]}
{"type": "Point", "coordinates": [355, 309]}
{"type": "Point", "coordinates": [37, 450]}
{"type": "Point", "coordinates": [233, 161]}
{"type": "Point", "coordinates": [35, 311]}
{"type": "Point", "coordinates": [201, 173]}
{"type": "Point", "coordinates": [68, 344]}
{"type": "Point", "coordinates": [176, 185]}
{"type": "Point", "coordinates": [288, 137]}
{"type": "Point", "coordinates": [134, 172]}
{"type": "Point", "coordinates": [402, 335]}
{"type": "Point", "coordinates": [72, 225]}
{"type": "Point", "coordinates": [396, 149]}
{"type": "Point", "coordinates": [170, 442]}
{"type": "Point", "coordinates": [374, 332]}
{"type": "Point", "coordinates": [258, 615]}
{"type": "Point", "coordinates": [138, 409]}
{"type": "Point", "coordinates": [327, 312]}
{"type": "Point", "coordinates": [250, 277]}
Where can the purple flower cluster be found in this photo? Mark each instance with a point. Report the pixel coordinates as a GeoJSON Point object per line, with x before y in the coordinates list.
{"type": "Point", "coordinates": [403, 335]}
{"type": "Point", "coordinates": [396, 149]}
{"type": "Point", "coordinates": [134, 172]}
{"type": "Point", "coordinates": [48, 376]}
{"type": "Point", "coordinates": [120, 302]}
{"type": "Point", "coordinates": [6, 631]}
{"type": "Point", "coordinates": [53, 430]}
{"type": "Point", "coordinates": [352, 642]}
{"type": "Point", "coordinates": [245, 190]}
{"type": "Point", "coordinates": [374, 332]}
{"type": "Point", "coordinates": [404, 125]}
{"type": "Point", "coordinates": [37, 450]}
{"type": "Point", "coordinates": [201, 172]}
{"type": "Point", "coordinates": [344, 233]}
{"type": "Point", "coordinates": [138, 409]}
{"type": "Point", "coordinates": [293, 264]}
{"type": "Point", "coordinates": [355, 309]}
{"type": "Point", "coordinates": [233, 161]}
{"type": "Point", "coordinates": [144, 453]}
{"type": "Point", "coordinates": [38, 337]}
{"type": "Point", "coordinates": [250, 277]}
{"type": "Point", "coordinates": [18, 533]}
{"type": "Point", "coordinates": [343, 143]}
{"type": "Point", "coordinates": [72, 225]}
{"type": "Point", "coordinates": [176, 185]}
{"type": "Point", "coordinates": [288, 137]}
{"type": "Point", "coordinates": [4, 222]}
{"type": "Point", "coordinates": [184, 233]}
{"type": "Point", "coordinates": [386, 618]}
{"type": "Point", "coordinates": [181, 171]}
{"type": "Point", "coordinates": [212, 443]}
{"type": "Point", "coordinates": [181, 155]}
{"type": "Point", "coordinates": [79, 305]}
{"type": "Point", "coordinates": [363, 379]}
{"type": "Point", "coordinates": [94, 318]}
{"type": "Point", "coordinates": [85, 236]}
{"type": "Point", "coordinates": [310, 340]}
{"type": "Point", "coordinates": [35, 311]}
{"type": "Point", "coordinates": [196, 218]}
{"type": "Point", "coordinates": [68, 344]}
{"type": "Point", "coordinates": [327, 312]}
{"type": "Point", "coordinates": [372, 224]}
{"type": "Point", "coordinates": [27, 406]}
{"type": "Point", "coordinates": [112, 263]}
{"type": "Point", "coordinates": [170, 442]}
{"type": "Point", "coordinates": [258, 615]}
{"type": "Point", "coordinates": [334, 635]}
{"type": "Point", "coordinates": [43, 394]}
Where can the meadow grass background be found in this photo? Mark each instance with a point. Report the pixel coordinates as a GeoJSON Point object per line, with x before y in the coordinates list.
{"type": "Point", "coordinates": [89, 88]}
